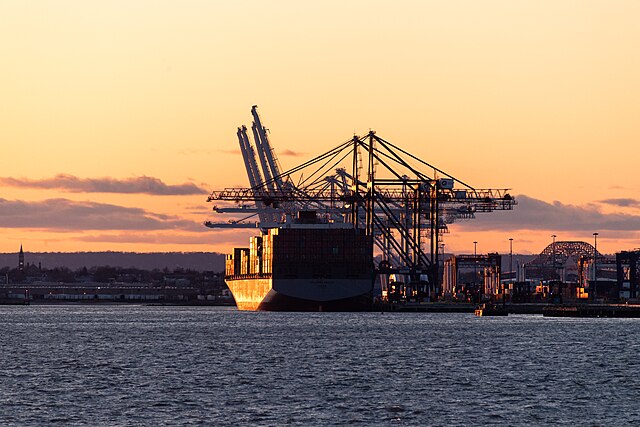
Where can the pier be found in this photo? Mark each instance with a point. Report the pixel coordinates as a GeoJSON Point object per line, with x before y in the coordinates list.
{"type": "Point", "coordinates": [593, 310]}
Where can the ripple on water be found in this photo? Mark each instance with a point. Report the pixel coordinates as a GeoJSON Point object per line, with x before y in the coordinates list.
{"type": "Point", "coordinates": [137, 365]}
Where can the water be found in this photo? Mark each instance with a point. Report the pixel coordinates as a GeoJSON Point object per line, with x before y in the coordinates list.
{"type": "Point", "coordinates": [139, 365]}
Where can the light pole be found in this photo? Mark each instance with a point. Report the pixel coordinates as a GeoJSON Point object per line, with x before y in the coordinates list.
{"type": "Point", "coordinates": [475, 267]}
{"type": "Point", "coordinates": [553, 251]}
{"type": "Point", "coordinates": [595, 266]}
{"type": "Point", "coordinates": [511, 257]}
{"type": "Point", "coordinates": [504, 294]}
{"type": "Point", "coordinates": [441, 272]}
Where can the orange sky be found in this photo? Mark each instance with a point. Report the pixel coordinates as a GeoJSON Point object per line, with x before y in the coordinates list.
{"type": "Point", "coordinates": [541, 97]}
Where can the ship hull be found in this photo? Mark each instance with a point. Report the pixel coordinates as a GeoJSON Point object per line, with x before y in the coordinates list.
{"type": "Point", "coordinates": [266, 294]}
{"type": "Point", "coordinates": [280, 302]}
{"type": "Point", "coordinates": [249, 293]}
{"type": "Point", "coordinates": [308, 267]}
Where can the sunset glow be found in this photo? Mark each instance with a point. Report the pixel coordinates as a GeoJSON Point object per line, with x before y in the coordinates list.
{"type": "Point", "coordinates": [118, 118]}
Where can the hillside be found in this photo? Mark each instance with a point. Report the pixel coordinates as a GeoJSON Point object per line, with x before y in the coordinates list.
{"type": "Point", "coordinates": [199, 261]}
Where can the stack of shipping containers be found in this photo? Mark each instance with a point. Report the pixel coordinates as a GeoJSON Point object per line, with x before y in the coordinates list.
{"type": "Point", "coordinates": [304, 252]}
{"type": "Point", "coordinates": [320, 252]}
{"type": "Point", "coordinates": [267, 251]}
{"type": "Point", "coordinates": [240, 261]}
{"type": "Point", "coordinates": [244, 261]}
{"type": "Point", "coordinates": [228, 265]}
{"type": "Point", "coordinates": [255, 255]}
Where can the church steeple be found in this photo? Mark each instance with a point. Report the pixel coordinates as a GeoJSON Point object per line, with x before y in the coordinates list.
{"type": "Point", "coordinates": [21, 259]}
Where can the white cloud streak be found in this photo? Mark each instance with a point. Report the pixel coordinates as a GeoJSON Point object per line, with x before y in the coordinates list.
{"type": "Point", "coordinates": [136, 185]}
{"type": "Point", "coordinates": [535, 214]}
{"type": "Point", "coordinates": [66, 215]}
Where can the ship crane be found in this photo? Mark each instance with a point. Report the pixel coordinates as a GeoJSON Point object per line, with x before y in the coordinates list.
{"type": "Point", "coordinates": [390, 193]}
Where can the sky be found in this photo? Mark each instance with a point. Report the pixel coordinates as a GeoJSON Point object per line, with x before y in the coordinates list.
{"type": "Point", "coordinates": [118, 118]}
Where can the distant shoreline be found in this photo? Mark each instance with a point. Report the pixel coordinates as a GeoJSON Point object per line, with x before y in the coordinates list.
{"type": "Point", "coordinates": [199, 261]}
{"type": "Point", "coordinates": [14, 302]}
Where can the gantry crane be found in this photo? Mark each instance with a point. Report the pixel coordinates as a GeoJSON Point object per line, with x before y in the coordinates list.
{"type": "Point", "coordinates": [403, 202]}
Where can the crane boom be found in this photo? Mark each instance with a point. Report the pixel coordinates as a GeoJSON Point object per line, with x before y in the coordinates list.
{"type": "Point", "coordinates": [269, 154]}
{"type": "Point", "coordinates": [253, 172]}
{"type": "Point", "coordinates": [244, 149]}
{"type": "Point", "coordinates": [268, 177]}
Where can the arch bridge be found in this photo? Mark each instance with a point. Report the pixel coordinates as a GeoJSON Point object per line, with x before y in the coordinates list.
{"type": "Point", "coordinates": [559, 252]}
{"type": "Point", "coordinates": [556, 256]}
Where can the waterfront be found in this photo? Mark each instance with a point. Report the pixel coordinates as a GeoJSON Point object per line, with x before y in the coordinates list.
{"type": "Point", "coordinates": [142, 365]}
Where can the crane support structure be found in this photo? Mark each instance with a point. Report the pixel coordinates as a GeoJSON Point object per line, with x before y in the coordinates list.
{"type": "Point", "coordinates": [403, 202]}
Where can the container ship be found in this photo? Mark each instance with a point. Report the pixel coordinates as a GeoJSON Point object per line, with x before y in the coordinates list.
{"type": "Point", "coordinates": [303, 265]}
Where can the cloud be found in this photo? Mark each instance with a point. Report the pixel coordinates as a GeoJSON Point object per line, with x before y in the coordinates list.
{"type": "Point", "coordinates": [231, 151]}
{"type": "Point", "coordinates": [136, 185]}
{"type": "Point", "coordinates": [291, 153]}
{"type": "Point", "coordinates": [223, 237]}
{"type": "Point", "coordinates": [67, 215]}
{"type": "Point", "coordinates": [534, 214]}
{"type": "Point", "coordinates": [199, 209]}
{"type": "Point", "coordinates": [624, 203]}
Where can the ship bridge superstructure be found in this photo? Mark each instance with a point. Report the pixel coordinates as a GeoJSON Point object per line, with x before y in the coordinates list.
{"type": "Point", "coordinates": [403, 202]}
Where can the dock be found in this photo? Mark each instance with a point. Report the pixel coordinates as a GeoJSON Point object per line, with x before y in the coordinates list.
{"type": "Point", "coordinates": [593, 310]}
{"type": "Point", "coordinates": [425, 307]}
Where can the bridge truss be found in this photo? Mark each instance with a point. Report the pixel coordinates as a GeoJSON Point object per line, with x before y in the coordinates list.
{"type": "Point", "coordinates": [555, 256]}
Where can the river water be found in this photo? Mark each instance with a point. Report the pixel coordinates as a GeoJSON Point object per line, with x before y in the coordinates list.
{"type": "Point", "coordinates": [144, 365]}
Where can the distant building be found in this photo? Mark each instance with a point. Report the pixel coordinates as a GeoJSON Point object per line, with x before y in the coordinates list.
{"type": "Point", "coordinates": [21, 260]}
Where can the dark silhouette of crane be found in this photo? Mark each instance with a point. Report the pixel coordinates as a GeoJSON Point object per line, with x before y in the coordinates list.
{"type": "Point", "coordinates": [366, 182]}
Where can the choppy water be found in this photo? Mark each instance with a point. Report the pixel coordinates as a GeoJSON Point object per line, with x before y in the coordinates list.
{"type": "Point", "coordinates": [138, 365]}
